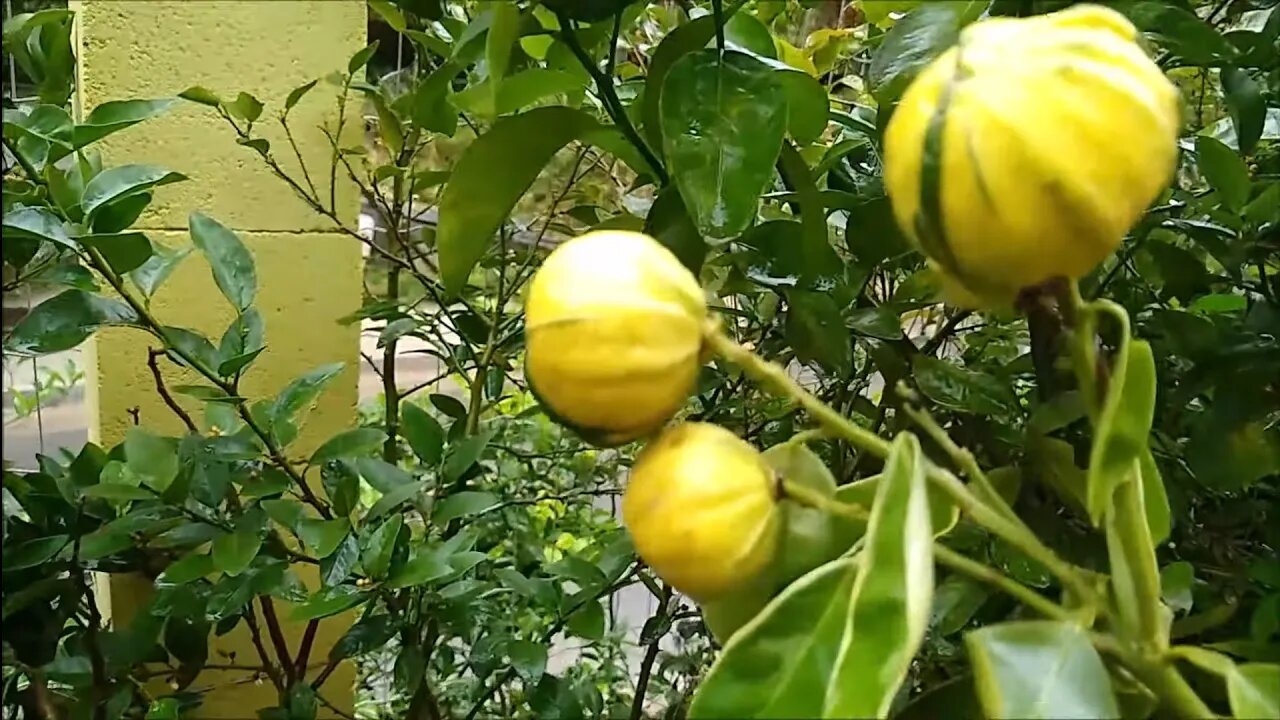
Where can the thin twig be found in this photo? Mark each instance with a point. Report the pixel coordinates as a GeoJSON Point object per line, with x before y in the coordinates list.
{"type": "Point", "coordinates": [169, 400]}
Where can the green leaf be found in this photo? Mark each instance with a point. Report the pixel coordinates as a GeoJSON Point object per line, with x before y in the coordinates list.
{"type": "Point", "coordinates": [689, 37]}
{"type": "Point", "coordinates": [233, 551]}
{"type": "Point", "coordinates": [193, 345]}
{"type": "Point", "coordinates": [893, 594]}
{"type": "Point", "coordinates": [30, 553]}
{"type": "Point", "coordinates": [1120, 438]}
{"type": "Point", "coordinates": [327, 602]}
{"type": "Point", "coordinates": [1248, 108]}
{"type": "Point", "coordinates": [322, 537]}
{"type": "Point", "coordinates": [1180, 32]}
{"type": "Point", "coordinates": [201, 95]}
{"type": "Point", "coordinates": [116, 115]}
{"type": "Point", "coordinates": [463, 455]}
{"type": "Point", "coordinates": [961, 389]}
{"type": "Point", "coordinates": [723, 129]}
{"type": "Point", "coordinates": [66, 320]}
{"type": "Point", "coordinates": [301, 393]}
{"type": "Point", "coordinates": [816, 331]}
{"type": "Point", "coordinates": [529, 660]}
{"type": "Point", "coordinates": [241, 343]}
{"type": "Point", "coordinates": [114, 491]}
{"type": "Point", "coordinates": [36, 223]}
{"type": "Point", "coordinates": [341, 484]}
{"type": "Point", "coordinates": [123, 251]}
{"type": "Point", "coordinates": [350, 443]}
{"type": "Point", "coordinates": [429, 104]}
{"type": "Point", "coordinates": [361, 57]}
{"type": "Point", "coordinates": [337, 567]}
{"type": "Point", "coordinates": [383, 476]}
{"type": "Point", "coordinates": [229, 259]}
{"type": "Point", "coordinates": [370, 633]}
{"type": "Point", "coordinates": [504, 30]}
{"type": "Point", "coordinates": [587, 622]}
{"type": "Point", "coordinates": [423, 432]}
{"type": "Point", "coordinates": [492, 174]}
{"type": "Point", "coordinates": [123, 181]}
{"type": "Point", "coordinates": [393, 499]}
{"type": "Point", "coordinates": [882, 322]}
{"type": "Point", "coordinates": [669, 223]}
{"type": "Point", "coordinates": [1254, 690]}
{"type": "Point", "coordinates": [163, 261]}
{"type": "Point", "coordinates": [1224, 170]}
{"type": "Point", "coordinates": [818, 259]}
{"type": "Point", "coordinates": [189, 569]}
{"type": "Point", "coordinates": [525, 88]}
{"type": "Point", "coordinates": [1176, 580]}
{"type": "Point", "coordinates": [153, 459]}
{"type": "Point", "coordinates": [1155, 498]}
{"type": "Point", "coordinates": [779, 663]}
{"type": "Point", "coordinates": [954, 604]}
{"type": "Point", "coordinates": [297, 94]}
{"type": "Point", "coordinates": [424, 568]}
{"type": "Point", "coordinates": [914, 41]}
{"type": "Point", "coordinates": [377, 550]}
{"type": "Point", "coordinates": [1039, 669]}
{"type": "Point", "coordinates": [461, 504]}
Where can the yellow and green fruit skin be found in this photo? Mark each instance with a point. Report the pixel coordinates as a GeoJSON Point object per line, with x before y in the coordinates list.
{"type": "Point", "coordinates": [701, 507]}
{"type": "Point", "coordinates": [613, 332]}
{"type": "Point", "coordinates": [1028, 150]}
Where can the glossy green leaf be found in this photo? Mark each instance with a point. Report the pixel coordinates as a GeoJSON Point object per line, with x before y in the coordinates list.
{"type": "Point", "coordinates": [115, 115]}
{"type": "Point", "coordinates": [152, 458]}
{"type": "Point", "coordinates": [1039, 669]}
{"type": "Point", "coordinates": [36, 223]}
{"type": "Point", "coordinates": [30, 553]}
{"type": "Point", "coordinates": [233, 551]}
{"type": "Point", "coordinates": [296, 94]}
{"type": "Point", "coordinates": [241, 343]}
{"type": "Point", "coordinates": [1155, 498]}
{"type": "Point", "coordinates": [123, 181]}
{"type": "Point", "coordinates": [779, 663]}
{"type": "Point", "coordinates": [115, 491]}
{"type": "Point", "coordinates": [370, 633]}
{"type": "Point", "coordinates": [749, 33]}
{"type": "Point", "coordinates": [66, 320]}
{"type": "Point", "coordinates": [815, 329]}
{"type": "Point", "coordinates": [818, 260]}
{"type": "Point", "coordinates": [229, 259]}
{"type": "Point", "coordinates": [962, 389]}
{"type": "Point", "coordinates": [1176, 580]}
{"type": "Point", "coordinates": [423, 432]}
{"type": "Point", "coordinates": [529, 659]}
{"type": "Point", "coordinates": [378, 548]}
{"type": "Point", "coordinates": [669, 223]}
{"type": "Point", "coordinates": [461, 504]}
{"type": "Point", "coordinates": [424, 568]}
{"type": "Point", "coordinates": [1248, 108]}
{"type": "Point", "coordinates": [192, 345]}
{"type": "Point", "coordinates": [393, 499]}
{"type": "Point", "coordinates": [188, 569]}
{"type": "Point", "coordinates": [123, 251]}
{"type": "Point", "coordinates": [504, 30]}
{"type": "Point", "coordinates": [349, 443]}
{"type": "Point", "coordinates": [1254, 690]}
{"type": "Point", "coordinates": [341, 483]}
{"type": "Point", "coordinates": [1181, 32]}
{"type": "Point", "coordinates": [489, 179]}
{"type": "Point", "coordinates": [322, 537]}
{"type": "Point", "coordinates": [337, 567]}
{"type": "Point", "coordinates": [152, 273]}
{"type": "Point", "coordinates": [893, 593]}
{"type": "Point", "coordinates": [689, 37]}
{"type": "Point", "coordinates": [914, 41]}
{"type": "Point", "coordinates": [462, 455]}
{"type": "Point", "coordinates": [382, 475]}
{"type": "Point", "coordinates": [811, 536]}
{"type": "Point", "coordinates": [955, 602]}
{"type": "Point", "coordinates": [301, 394]}
{"type": "Point", "coordinates": [1225, 171]}
{"type": "Point", "coordinates": [722, 136]}
{"type": "Point", "coordinates": [362, 57]}
{"type": "Point", "coordinates": [587, 622]}
{"type": "Point", "coordinates": [327, 602]}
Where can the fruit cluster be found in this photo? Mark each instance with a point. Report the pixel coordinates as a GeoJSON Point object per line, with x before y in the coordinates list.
{"type": "Point", "coordinates": [1022, 154]}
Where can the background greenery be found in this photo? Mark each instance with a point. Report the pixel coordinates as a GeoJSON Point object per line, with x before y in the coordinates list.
{"type": "Point", "coordinates": [469, 533]}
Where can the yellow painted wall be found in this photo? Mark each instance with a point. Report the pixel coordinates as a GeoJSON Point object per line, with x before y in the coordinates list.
{"type": "Point", "coordinates": [308, 275]}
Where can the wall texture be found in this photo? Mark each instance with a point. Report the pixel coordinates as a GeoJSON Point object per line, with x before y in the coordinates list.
{"type": "Point", "coordinates": [308, 275]}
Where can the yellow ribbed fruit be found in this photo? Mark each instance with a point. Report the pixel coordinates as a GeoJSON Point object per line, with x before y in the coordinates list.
{"type": "Point", "coordinates": [613, 331]}
{"type": "Point", "coordinates": [1028, 150]}
{"type": "Point", "coordinates": [701, 507]}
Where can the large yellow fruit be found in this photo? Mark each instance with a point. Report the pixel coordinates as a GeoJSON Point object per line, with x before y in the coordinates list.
{"type": "Point", "coordinates": [613, 330]}
{"type": "Point", "coordinates": [701, 507]}
{"type": "Point", "coordinates": [1028, 150]}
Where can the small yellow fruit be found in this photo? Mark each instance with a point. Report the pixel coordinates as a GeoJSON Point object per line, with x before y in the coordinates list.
{"type": "Point", "coordinates": [701, 507]}
{"type": "Point", "coordinates": [1028, 150]}
{"type": "Point", "coordinates": [613, 330]}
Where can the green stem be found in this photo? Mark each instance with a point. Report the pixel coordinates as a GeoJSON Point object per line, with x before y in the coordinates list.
{"type": "Point", "coordinates": [806, 495]}
{"type": "Point", "coordinates": [1000, 581]}
{"type": "Point", "coordinates": [774, 377]}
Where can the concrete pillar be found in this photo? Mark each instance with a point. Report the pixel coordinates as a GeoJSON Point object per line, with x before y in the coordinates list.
{"type": "Point", "coordinates": [309, 276]}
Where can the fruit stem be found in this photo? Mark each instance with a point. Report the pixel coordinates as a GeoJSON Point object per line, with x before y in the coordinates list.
{"type": "Point", "coordinates": [1000, 581]}
{"type": "Point", "coordinates": [808, 496]}
{"type": "Point", "coordinates": [776, 379]}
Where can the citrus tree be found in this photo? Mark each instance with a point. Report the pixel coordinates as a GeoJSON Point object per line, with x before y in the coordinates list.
{"type": "Point", "coordinates": [992, 284]}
